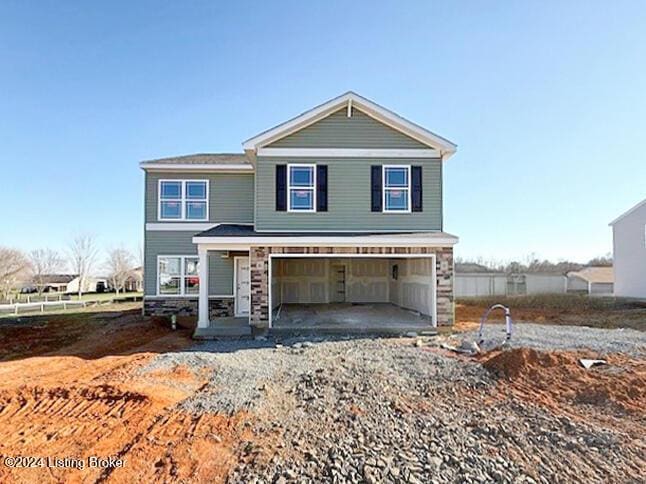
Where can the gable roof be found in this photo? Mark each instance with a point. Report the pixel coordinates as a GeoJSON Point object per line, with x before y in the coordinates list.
{"type": "Point", "coordinates": [625, 214]}
{"type": "Point", "coordinates": [444, 147]}
{"type": "Point", "coordinates": [599, 275]}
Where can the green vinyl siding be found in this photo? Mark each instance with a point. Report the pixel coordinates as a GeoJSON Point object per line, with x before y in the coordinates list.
{"type": "Point", "coordinates": [340, 131]}
{"type": "Point", "coordinates": [180, 243]}
{"type": "Point", "coordinates": [349, 207]}
{"type": "Point", "coordinates": [230, 195]}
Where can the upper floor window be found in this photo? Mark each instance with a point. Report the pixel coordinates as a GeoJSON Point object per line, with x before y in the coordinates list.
{"type": "Point", "coordinates": [396, 188]}
{"type": "Point", "coordinates": [301, 188]}
{"type": "Point", "coordinates": [183, 200]}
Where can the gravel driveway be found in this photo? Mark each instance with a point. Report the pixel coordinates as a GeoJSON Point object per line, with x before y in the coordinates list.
{"type": "Point", "coordinates": [400, 410]}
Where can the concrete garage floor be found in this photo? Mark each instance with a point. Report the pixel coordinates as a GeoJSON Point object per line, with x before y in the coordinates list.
{"type": "Point", "coordinates": [350, 318]}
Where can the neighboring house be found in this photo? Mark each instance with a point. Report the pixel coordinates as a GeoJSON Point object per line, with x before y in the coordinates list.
{"type": "Point", "coordinates": [591, 280]}
{"type": "Point", "coordinates": [339, 206]}
{"type": "Point", "coordinates": [629, 252]}
{"type": "Point", "coordinates": [135, 281]}
{"type": "Point", "coordinates": [51, 283]}
{"type": "Point", "coordinates": [90, 284]}
{"type": "Point", "coordinates": [477, 280]}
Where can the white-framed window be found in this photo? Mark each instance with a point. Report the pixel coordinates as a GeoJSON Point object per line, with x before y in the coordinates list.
{"type": "Point", "coordinates": [396, 188]}
{"type": "Point", "coordinates": [178, 275]}
{"type": "Point", "coordinates": [301, 188]}
{"type": "Point", "coordinates": [183, 199]}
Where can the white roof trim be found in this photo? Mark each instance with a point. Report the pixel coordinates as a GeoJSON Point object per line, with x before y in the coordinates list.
{"type": "Point", "coordinates": [625, 214]}
{"type": "Point", "coordinates": [350, 152]}
{"type": "Point", "coordinates": [146, 165]}
{"type": "Point", "coordinates": [364, 105]}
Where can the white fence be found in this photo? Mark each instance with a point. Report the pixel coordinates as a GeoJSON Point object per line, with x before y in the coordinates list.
{"type": "Point", "coordinates": [500, 284]}
{"type": "Point", "coordinates": [33, 298]}
{"type": "Point", "coordinates": [18, 308]}
{"type": "Point", "coordinates": [61, 304]}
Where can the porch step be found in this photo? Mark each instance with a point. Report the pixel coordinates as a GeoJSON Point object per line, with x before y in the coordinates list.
{"type": "Point", "coordinates": [222, 332]}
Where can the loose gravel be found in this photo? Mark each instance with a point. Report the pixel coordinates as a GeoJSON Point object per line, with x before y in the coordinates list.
{"type": "Point", "coordinates": [401, 410]}
{"type": "Point", "coordinates": [555, 337]}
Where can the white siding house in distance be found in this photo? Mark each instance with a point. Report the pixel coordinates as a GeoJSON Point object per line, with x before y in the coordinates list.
{"type": "Point", "coordinates": [545, 283]}
{"type": "Point", "coordinates": [475, 280]}
{"type": "Point", "coordinates": [629, 252]}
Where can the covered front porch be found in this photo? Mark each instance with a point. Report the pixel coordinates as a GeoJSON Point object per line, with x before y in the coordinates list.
{"type": "Point", "coordinates": [224, 315]}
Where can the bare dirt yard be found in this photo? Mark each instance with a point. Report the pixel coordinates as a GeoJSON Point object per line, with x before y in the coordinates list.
{"type": "Point", "coordinates": [108, 382]}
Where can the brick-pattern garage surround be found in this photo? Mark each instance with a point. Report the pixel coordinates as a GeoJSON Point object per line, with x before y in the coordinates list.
{"type": "Point", "coordinates": [259, 268]}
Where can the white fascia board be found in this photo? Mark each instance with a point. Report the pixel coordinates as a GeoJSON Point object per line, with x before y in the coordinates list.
{"type": "Point", "coordinates": [196, 167]}
{"type": "Point", "coordinates": [349, 231]}
{"type": "Point", "coordinates": [385, 116]}
{"type": "Point", "coordinates": [306, 241]}
{"type": "Point", "coordinates": [625, 214]}
{"type": "Point", "coordinates": [349, 153]}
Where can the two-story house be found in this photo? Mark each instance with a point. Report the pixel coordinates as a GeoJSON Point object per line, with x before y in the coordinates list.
{"type": "Point", "coordinates": [330, 217]}
{"type": "Point", "coordinates": [629, 252]}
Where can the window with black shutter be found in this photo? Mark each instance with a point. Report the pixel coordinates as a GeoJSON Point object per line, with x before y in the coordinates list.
{"type": "Point", "coordinates": [375, 184]}
{"type": "Point", "coordinates": [281, 188]}
{"type": "Point", "coordinates": [416, 196]}
{"type": "Point", "coordinates": [321, 188]}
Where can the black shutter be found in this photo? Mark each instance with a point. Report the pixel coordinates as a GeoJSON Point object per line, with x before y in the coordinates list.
{"type": "Point", "coordinates": [321, 188]}
{"type": "Point", "coordinates": [281, 188]}
{"type": "Point", "coordinates": [375, 184]}
{"type": "Point", "coordinates": [416, 196]}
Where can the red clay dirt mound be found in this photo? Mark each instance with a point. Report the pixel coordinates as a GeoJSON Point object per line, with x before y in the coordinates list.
{"type": "Point", "coordinates": [555, 377]}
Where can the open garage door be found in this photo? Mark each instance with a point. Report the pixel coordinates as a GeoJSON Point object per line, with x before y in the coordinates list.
{"type": "Point", "coordinates": [355, 292]}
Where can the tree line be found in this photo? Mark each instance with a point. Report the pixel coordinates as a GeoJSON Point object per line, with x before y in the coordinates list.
{"type": "Point", "coordinates": [81, 258]}
{"type": "Point", "coordinates": [532, 263]}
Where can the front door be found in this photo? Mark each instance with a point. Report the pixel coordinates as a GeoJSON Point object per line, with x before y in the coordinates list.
{"type": "Point", "coordinates": [242, 286]}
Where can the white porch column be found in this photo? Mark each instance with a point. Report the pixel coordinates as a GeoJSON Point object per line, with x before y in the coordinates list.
{"type": "Point", "coordinates": [203, 302]}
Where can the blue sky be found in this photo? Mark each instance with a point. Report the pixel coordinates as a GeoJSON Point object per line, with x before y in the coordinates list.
{"type": "Point", "coordinates": [546, 101]}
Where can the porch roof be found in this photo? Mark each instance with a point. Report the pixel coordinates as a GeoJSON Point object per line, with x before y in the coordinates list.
{"type": "Point", "coordinates": [246, 234]}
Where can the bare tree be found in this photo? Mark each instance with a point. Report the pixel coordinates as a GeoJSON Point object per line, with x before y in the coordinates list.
{"type": "Point", "coordinates": [13, 264]}
{"type": "Point", "coordinates": [601, 261]}
{"type": "Point", "coordinates": [82, 256]}
{"type": "Point", "coordinates": [120, 265]}
{"type": "Point", "coordinates": [43, 263]}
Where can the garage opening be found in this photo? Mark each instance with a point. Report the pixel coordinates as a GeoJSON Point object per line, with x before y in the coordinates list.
{"type": "Point", "coordinates": [353, 293]}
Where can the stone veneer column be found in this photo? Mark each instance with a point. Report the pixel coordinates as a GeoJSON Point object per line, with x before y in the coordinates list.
{"type": "Point", "coordinates": [259, 286]}
{"type": "Point", "coordinates": [444, 277]}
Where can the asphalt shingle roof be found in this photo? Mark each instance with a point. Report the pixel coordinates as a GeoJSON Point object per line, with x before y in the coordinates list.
{"type": "Point", "coordinates": [203, 159]}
